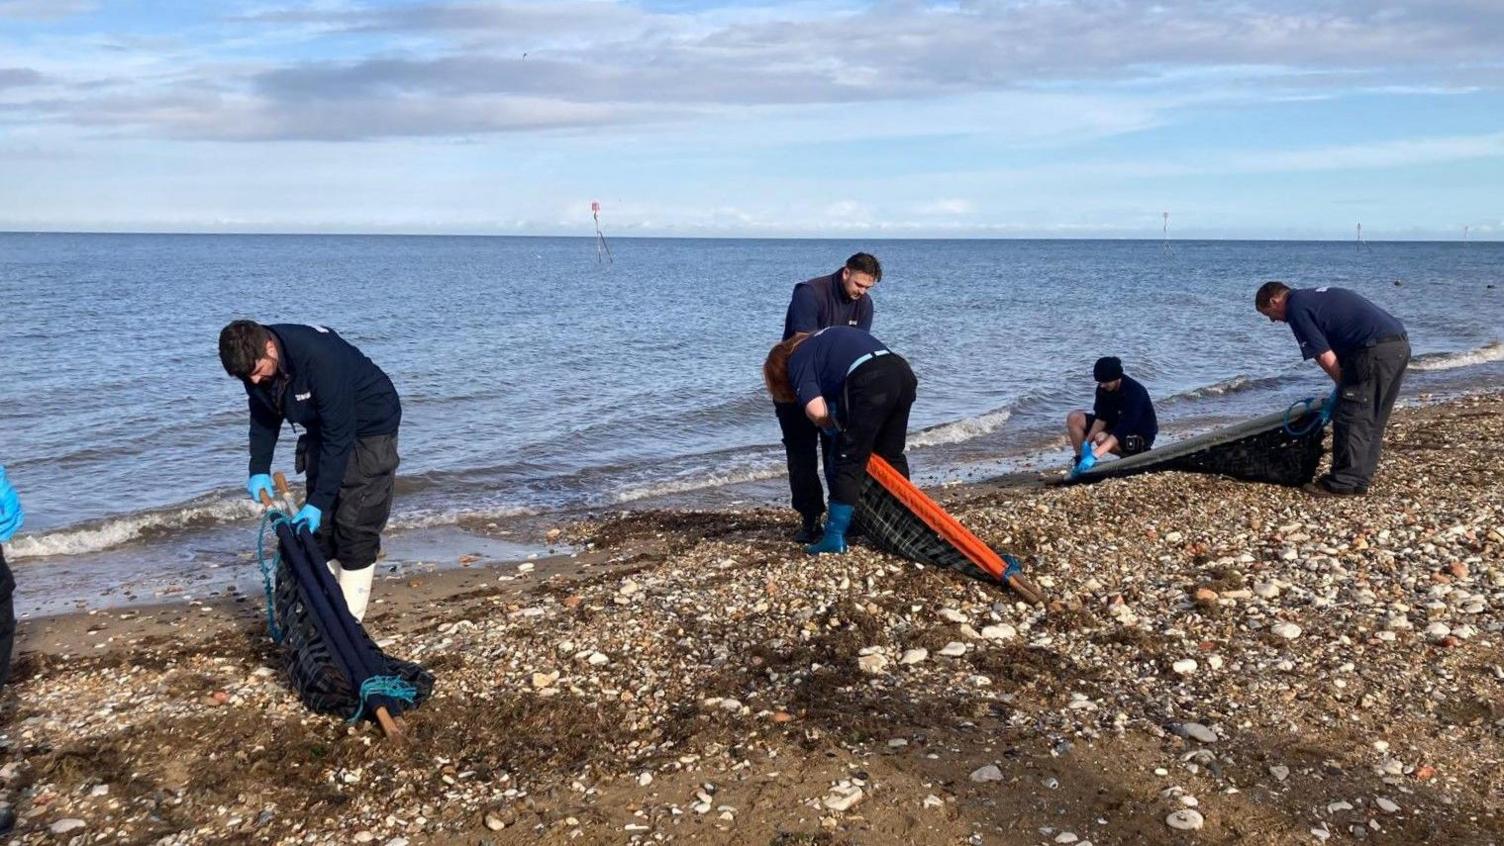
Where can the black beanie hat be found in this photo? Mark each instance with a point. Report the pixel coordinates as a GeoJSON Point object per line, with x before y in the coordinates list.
{"type": "Point", "coordinates": [1107, 369]}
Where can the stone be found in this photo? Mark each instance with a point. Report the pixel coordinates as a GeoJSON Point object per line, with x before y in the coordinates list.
{"type": "Point", "coordinates": [1280, 772]}
{"type": "Point", "coordinates": [494, 822]}
{"type": "Point", "coordinates": [1185, 819]}
{"type": "Point", "coordinates": [1000, 631]}
{"type": "Point", "coordinates": [543, 680]}
{"type": "Point", "coordinates": [954, 616]}
{"type": "Point", "coordinates": [1066, 837]}
{"type": "Point", "coordinates": [1199, 732]}
{"type": "Point", "coordinates": [987, 773]}
{"type": "Point", "coordinates": [914, 656]}
{"type": "Point", "coordinates": [954, 649]}
{"type": "Point", "coordinates": [933, 801]}
{"type": "Point", "coordinates": [1288, 631]}
{"type": "Point", "coordinates": [66, 825]}
{"type": "Point", "coordinates": [1185, 666]}
{"type": "Point", "coordinates": [1386, 805]}
{"type": "Point", "coordinates": [596, 659]}
{"type": "Point", "coordinates": [843, 798]}
{"type": "Point", "coordinates": [1266, 590]}
{"type": "Point", "coordinates": [1205, 596]}
{"type": "Point", "coordinates": [873, 665]}
{"type": "Point", "coordinates": [1438, 631]}
{"type": "Point", "coordinates": [364, 836]}
{"type": "Point", "coordinates": [397, 841]}
{"type": "Point", "coordinates": [644, 779]}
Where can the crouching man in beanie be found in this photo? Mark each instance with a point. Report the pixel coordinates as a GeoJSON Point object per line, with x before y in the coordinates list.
{"type": "Point", "coordinates": [348, 412]}
{"type": "Point", "coordinates": [1121, 422]}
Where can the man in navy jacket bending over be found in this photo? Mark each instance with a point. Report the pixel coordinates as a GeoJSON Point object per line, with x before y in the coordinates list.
{"type": "Point", "coordinates": [348, 412]}
{"type": "Point", "coordinates": [840, 299]}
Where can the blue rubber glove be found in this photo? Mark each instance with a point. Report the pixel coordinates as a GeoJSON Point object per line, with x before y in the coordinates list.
{"type": "Point", "coordinates": [309, 516]}
{"type": "Point", "coordinates": [1088, 460]}
{"type": "Point", "coordinates": [258, 483]}
{"type": "Point", "coordinates": [11, 514]}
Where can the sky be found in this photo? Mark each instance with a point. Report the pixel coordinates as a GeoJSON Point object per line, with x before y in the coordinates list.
{"type": "Point", "coordinates": [985, 118]}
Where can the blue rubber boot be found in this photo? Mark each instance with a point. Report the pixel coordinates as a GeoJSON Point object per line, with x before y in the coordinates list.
{"type": "Point", "coordinates": [836, 523]}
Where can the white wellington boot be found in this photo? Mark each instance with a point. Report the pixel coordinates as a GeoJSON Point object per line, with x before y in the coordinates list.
{"type": "Point", "coordinates": [356, 586]}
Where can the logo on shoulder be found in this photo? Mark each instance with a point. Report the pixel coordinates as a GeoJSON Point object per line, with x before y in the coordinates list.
{"type": "Point", "coordinates": [321, 329]}
{"type": "Point", "coordinates": [1323, 289]}
{"type": "Point", "coordinates": [303, 397]}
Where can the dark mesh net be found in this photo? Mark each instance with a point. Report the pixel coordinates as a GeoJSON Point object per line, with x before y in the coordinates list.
{"type": "Point", "coordinates": [316, 674]}
{"type": "Point", "coordinates": [892, 527]}
{"type": "Point", "coordinates": [1262, 450]}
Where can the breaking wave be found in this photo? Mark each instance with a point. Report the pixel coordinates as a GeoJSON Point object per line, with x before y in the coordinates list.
{"type": "Point", "coordinates": [1491, 351]}
{"type": "Point", "coordinates": [961, 430]}
{"type": "Point", "coordinates": [95, 536]}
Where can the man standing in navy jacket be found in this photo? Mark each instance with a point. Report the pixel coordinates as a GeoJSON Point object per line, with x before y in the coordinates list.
{"type": "Point", "coordinates": [840, 299]}
{"type": "Point", "coordinates": [1366, 351]}
{"type": "Point", "coordinates": [349, 413]}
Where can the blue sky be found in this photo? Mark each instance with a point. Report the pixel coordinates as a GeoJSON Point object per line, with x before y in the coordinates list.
{"type": "Point", "coordinates": [1045, 118]}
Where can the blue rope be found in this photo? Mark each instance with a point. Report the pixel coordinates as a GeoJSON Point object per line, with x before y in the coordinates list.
{"type": "Point", "coordinates": [391, 687]}
{"type": "Point", "coordinates": [1013, 568]}
{"type": "Point", "coordinates": [269, 568]}
{"type": "Point", "coordinates": [1304, 405]}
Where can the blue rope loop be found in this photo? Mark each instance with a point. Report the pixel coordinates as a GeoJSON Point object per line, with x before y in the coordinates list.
{"type": "Point", "coordinates": [390, 687]}
{"type": "Point", "coordinates": [272, 517]}
{"type": "Point", "coordinates": [1304, 405]}
{"type": "Point", "coordinates": [1013, 569]}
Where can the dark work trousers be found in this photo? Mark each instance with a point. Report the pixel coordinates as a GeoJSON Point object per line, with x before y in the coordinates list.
{"type": "Point", "coordinates": [364, 502]}
{"type": "Point", "coordinates": [804, 445]}
{"type": "Point", "coordinates": [875, 412]}
{"type": "Point", "coordinates": [7, 618]}
{"type": "Point", "coordinates": [1371, 380]}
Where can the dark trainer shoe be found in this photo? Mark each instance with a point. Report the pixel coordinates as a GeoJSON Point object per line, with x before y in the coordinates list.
{"type": "Point", "coordinates": [810, 532]}
{"type": "Point", "coordinates": [1319, 490]}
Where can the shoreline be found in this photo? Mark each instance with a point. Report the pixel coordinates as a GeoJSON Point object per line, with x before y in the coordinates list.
{"type": "Point", "coordinates": [1276, 664]}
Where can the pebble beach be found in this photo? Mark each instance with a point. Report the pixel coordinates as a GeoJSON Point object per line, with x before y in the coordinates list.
{"type": "Point", "coordinates": [1220, 662]}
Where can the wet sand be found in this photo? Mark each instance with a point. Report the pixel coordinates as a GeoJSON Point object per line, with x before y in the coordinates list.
{"type": "Point", "coordinates": [1271, 668]}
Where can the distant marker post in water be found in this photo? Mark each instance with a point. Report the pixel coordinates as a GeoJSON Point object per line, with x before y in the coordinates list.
{"type": "Point", "coordinates": [602, 249]}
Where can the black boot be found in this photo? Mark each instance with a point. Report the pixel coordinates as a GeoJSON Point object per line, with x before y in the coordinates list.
{"type": "Point", "coordinates": [810, 531]}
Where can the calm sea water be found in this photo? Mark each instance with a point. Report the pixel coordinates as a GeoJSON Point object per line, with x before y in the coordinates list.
{"type": "Point", "coordinates": [536, 380]}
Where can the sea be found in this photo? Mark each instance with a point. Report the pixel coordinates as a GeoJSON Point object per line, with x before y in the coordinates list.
{"type": "Point", "coordinates": [542, 382]}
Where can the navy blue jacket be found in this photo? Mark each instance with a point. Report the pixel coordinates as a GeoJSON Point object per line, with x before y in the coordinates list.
{"type": "Point", "coordinates": [820, 302]}
{"type": "Point", "coordinates": [1337, 319]}
{"type": "Point", "coordinates": [819, 366]}
{"type": "Point", "coordinates": [1127, 411]}
{"type": "Point", "coordinates": [328, 387]}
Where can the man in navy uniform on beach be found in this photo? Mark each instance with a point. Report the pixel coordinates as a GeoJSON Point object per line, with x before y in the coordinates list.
{"type": "Point", "coordinates": [11, 518]}
{"type": "Point", "coordinates": [1121, 422]}
{"type": "Point", "coordinates": [840, 299]}
{"type": "Point", "coordinates": [349, 411]}
{"type": "Point", "coordinates": [1365, 350]}
{"type": "Point", "coordinates": [851, 386]}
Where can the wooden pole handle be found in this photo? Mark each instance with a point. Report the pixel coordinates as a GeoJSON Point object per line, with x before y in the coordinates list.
{"type": "Point", "coordinates": [266, 500]}
{"type": "Point", "coordinates": [389, 726]}
{"type": "Point", "coordinates": [280, 480]}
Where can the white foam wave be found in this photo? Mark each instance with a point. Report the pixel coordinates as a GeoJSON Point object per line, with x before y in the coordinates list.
{"type": "Point", "coordinates": [1217, 389]}
{"type": "Point", "coordinates": [709, 480]}
{"type": "Point", "coordinates": [452, 517]}
{"type": "Point", "coordinates": [961, 430]}
{"type": "Point", "coordinates": [1492, 351]}
{"type": "Point", "coordinates": [107, 534]}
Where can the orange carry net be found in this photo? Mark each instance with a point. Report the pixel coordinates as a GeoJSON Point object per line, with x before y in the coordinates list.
{"type": "Point", "coordinates": [950, 531]}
